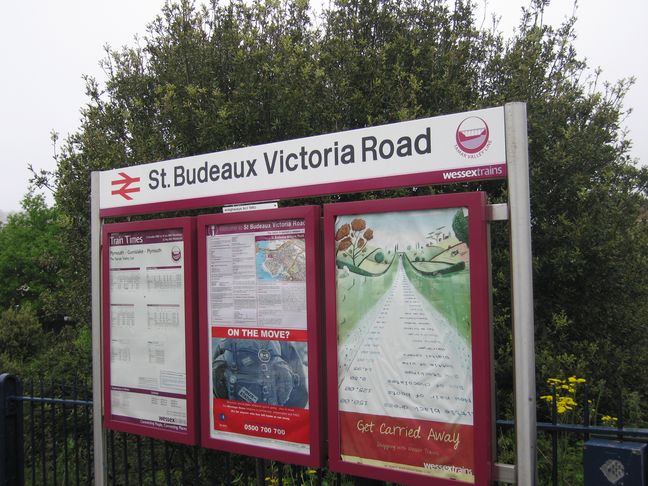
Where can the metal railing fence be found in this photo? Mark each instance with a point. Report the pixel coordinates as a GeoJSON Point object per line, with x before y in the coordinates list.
{"type": "Point", "coordinates": [46, 439]}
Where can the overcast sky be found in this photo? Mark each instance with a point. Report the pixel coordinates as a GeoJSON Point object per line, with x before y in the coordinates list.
{"type": "Point", "coordinates": [46, 46]}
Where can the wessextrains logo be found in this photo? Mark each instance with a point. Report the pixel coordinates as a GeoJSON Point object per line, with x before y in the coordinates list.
{"type": "Point", "coordinates": [472, 137]}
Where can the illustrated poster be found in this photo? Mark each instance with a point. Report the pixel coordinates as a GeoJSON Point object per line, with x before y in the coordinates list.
{"type": "Point", "coordinates": [405, 393]}
{"type": "Point", "coordinates": [256, 297]}
{"type": "Point", "coordinates": [147, 329]}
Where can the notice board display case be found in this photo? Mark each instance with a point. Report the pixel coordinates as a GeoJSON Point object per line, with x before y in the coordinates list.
{"type": "Point", "coordinates": [408, 339]}
{"type": "Point", "coordinates": [149, 333]}
{"type": "Point", "coordinates": [259, 335]}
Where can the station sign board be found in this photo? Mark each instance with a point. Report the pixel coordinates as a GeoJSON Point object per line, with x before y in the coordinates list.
{"type": "Point", "coordinates": [259, 334]}
{"type": "Point", "coordinates": [148, 329]}
{"type": "Point", "coordinates": [439, 150]}
{"type": "Point", "coordinates": [408, 339]}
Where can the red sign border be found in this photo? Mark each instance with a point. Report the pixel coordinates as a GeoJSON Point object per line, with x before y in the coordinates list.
{"type": "Point", "coordinates": [481, 334]}
{"type": "Point", "coordinates": [311, 217]}
{"type": "Point", "coordinates": [435, 177]}
{"type": "Point", "coordinates": [187, 225]}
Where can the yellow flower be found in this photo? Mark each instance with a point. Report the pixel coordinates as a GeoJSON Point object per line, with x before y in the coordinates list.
{"type": "Point", "coordinates": [312, 472]}
{"type": "Point", "coordinates": [547, 398]}
{"type": "Point", "coordinates": [564, 404]}
{"type": "Point", "coordinates": [574, 379]}
{"type": "Point", "coordinates": [609, 420]}
{"type": "Point", "coordinates": [554, 381]}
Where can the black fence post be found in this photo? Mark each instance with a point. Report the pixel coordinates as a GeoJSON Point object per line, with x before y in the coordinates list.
{"type": "Point", "coordinates": [11, 432]}
{"type": "Point", "coordinates": [260, 472]}
{"type": "Point", "coordinates": [358, 481]}
{"type": "Point", "coordinates": [554, 436]}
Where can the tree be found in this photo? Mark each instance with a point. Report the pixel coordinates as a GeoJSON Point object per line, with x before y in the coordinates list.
{"type": "Point", "coordinates": [227, 76]}
{"type": "Point", "coordinates": [31, 259]}
{"type": "Point", "coordinates": [36, 338]}
{"type": "Point", "coordinates": [22, 338]}
{"type": "Point", "coordinates": [460, 226]}
{"type": "Point", "coordinates": [351, 239]}
{"type": "Point", "coordinates": [588, 236]}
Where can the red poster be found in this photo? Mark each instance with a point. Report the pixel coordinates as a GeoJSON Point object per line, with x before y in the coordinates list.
{"type": "Point", "coordinates": [259, 338]}
{"type": "Point", "coordinates": [259, 386]}
{"type": "Point", "coordinates": [408, 443]}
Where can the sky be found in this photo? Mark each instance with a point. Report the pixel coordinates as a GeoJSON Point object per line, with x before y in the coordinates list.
{"type": "Point", "coordinates": [46, 47]}
{"type": "Point", "coordinates": [389, 232]}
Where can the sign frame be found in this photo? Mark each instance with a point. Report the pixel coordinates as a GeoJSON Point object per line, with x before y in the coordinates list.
{"type": "Point", "coordinates": [516, 172]}
{"type": "Point", "coordinates": [314, 329]}
{"type": "Point", "coordinates": [480, 330]}
{"type": "Point", "coordinates": [417, 152]}
{"type": "Point", "coordinates": [186, 225]}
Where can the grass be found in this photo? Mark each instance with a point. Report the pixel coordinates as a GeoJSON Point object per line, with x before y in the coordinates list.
{"type": "Point", "coordinates": [449, 294]}
{"type": "Point", "coordinates": [357, 294]}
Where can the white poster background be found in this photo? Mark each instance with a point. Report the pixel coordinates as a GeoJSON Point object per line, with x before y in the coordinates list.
{"type": "Point", "coordinates": [236, 292]}
{"type": "Point", "coordinates": [281, 165]}
{"type": "Point", "coordinates": [147, 328]}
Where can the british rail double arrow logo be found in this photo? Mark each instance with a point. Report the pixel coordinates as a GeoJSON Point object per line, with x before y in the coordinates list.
{"type": "Point", "coordinates": [125, 188]}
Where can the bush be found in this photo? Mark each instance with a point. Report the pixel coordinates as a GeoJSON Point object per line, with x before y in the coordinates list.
{"type": "Point", "coordinates": [21, 336]}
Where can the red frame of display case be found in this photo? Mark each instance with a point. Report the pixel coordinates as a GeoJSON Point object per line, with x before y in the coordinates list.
{"type": "Point", "coordinates": [311, 217]}
{"type": "Point", "coordinates": [187, 225]}
{"type": "Point", "coordinates": [481, 335]}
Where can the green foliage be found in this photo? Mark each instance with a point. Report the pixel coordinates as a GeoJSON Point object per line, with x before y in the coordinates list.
{"type": "Point", "coordinates": [34, 336]}
{"type": "Point", "coordinates": [64, 357]}
{"type": "Point", "coordinates": [21, 336]}
{"type": "Point", "coordinates": [238, 74]}
{"type": "Point", "coordinates": [460, 226]}
{"type": "Point", "coordinates": [590, 237]}
{"type": "Point", "coordinates": [31, 352]}
{"type": "Point", "coordinates": [31, 259]}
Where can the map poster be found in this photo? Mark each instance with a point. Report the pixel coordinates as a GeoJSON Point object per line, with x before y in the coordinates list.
{"type": "Point", "coordinates": [404, 367]}
{"type": "Point", "coordinates": [145, 329]}
{"type": "Point", "coordinates": [256, 309]}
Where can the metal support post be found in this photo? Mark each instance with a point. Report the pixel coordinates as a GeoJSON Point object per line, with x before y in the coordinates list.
{"type": "Point", "coordinates": [517, 156]}
{"type": "Point", "coordinates": [99, 436]}
{"type": "Point", "coordinates": [12, 460]}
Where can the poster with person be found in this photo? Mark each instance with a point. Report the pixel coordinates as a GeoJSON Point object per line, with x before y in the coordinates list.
{"type": "Point", "coordinates": [259, 332]}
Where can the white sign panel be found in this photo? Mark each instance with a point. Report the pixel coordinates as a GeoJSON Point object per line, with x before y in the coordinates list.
{"type": "Point", "coordinates": [451, 148]}
{"type": "Point", "coordinates": [147, 329]}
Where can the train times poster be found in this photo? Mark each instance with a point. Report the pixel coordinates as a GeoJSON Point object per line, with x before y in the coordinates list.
{"type": "Point", "coordinates": [148, 330]}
